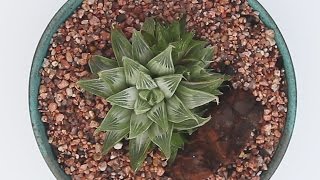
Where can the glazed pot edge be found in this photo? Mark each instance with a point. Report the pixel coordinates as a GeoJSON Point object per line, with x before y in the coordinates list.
{"type": "Point", "coordinates": [34, 83]}
{"type": "Point", "coordinates": [292, 90]}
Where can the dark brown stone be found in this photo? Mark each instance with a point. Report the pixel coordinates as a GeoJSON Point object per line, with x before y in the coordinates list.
{"type": "Point", "coordinates": [121, 18]}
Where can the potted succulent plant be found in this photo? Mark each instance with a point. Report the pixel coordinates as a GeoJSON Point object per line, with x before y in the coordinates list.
{"type": "Point", "coordinates": [129, 90]}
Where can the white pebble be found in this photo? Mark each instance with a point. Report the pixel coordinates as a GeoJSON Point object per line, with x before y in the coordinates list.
{"type": "Point", "coordinates": [54, 63]}
{"type": "Point", "coordinates": [118, 146]}
{"type": "Point", "coordinates": [90, 2]}
{"type": "Point", "coordinates": [112, 157]}
{"type": "Point", "coordinates": [271, 41]}
{"type": "Point", "coordinates": [275, 87]}
{"type": "Point", "coordinates": [270, 33]}
{"type": "Point", "coordinates": [102, 166]}
{"type": "Point", "coordinates": [122, 11]}
{"type": "Point", "coordinates": [69, 92]}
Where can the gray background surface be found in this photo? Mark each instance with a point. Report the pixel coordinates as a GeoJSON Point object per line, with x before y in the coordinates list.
{"type": "Point", "coordinates": [22, 23]}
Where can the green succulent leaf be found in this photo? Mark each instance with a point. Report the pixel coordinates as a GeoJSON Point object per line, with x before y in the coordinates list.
{"type": "Point", "coordinates": [196, 72]}
{"type": "Point", "coordinates": [201, 110]}
{"type": "Point", "coordinates": [169, 84]}
{"type": "Point", "coordinates": [141, 106]}
{"type": "Point", "coordinates": [177, 140]}
{"type": "Point", "coordinates": [161, 138]}
{"type": "Point", "coordinates": [207, 54]}
{"type": "Point", "coordinates": [162, 37]}
{"type": "Point", "coordinates": [145, 94]}
{"type": "Point", "coordinates": [180, 69]}
{"type": "Point", "coordinates": [183, 24]}
{"type": "Point", "coordinates": [216, 92]}
{"type": "Point", "coordinates": [174, 31]}
{"type": "Point", "coordinates": [118, 118]}
{"type": "Point", "coordinates": [138, 148]}
{"type": "Point", "coordinates": [191, 124]}
{"type": "Point", "coordinates": [157, 96]}
{"type": "Point", "coordinates": [112, 138]}
{"type": "Point", "coordinates": [132, 70]}
{"type": "Point", "coordinates": [205, 75]}
{"type": "Point", "coordinates": [141, 51]}
{"type": "Point", "coordinates": [162, 64]}
{"type": "Point", "coordinates": [158, 114]}
{"type": "Point", "coordinates": [149, 26]}
{"type": "Point", "coordinates": [115, 78]}
{"type": "Point", "coordinates": [209, 86]}
{"type": "Point", "coordinates": [194, 98]}
{"type": "Point", "coordinates": [174, 152]}
{"type": "Point", "coordinates": [125, 98]}
{"type": "Point", "coordinates": [181, 47]}
{"type": "Point", "coordinates": [177, 111]}
{"type": "Point", "coordinates": [204, 55]}
{"type": "Point", "coordinates": [148, 32]}
{"type": "Point", "coordinates": [100, 63]}
{"type": "Point", "coordinates": [96, 86]}
{"type": "Point", "coordinates": [138, 124]}
{"type": "Point", "coordinates": [120, 45]}
{"type": "Point", "coordinates": [195, 46]}
{"type": "Point", "coordinates": [145, 81]}
{"type": "Point", "coordinates": [150, 40]}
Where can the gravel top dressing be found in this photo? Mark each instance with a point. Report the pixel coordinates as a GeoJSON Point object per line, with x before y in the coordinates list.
{"type": "Point", "coordinates": [244, 48]}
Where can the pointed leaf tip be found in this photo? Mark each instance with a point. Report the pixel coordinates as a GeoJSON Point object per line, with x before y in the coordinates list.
{"type": "Point", "coordinates": [183, 23]}
{"type": "Point", "coordinates": [138, 148]}
{"type": "Point", "coordinates": [162, 138]}
{"type": "Point", "coordinates": [169, 84]}
{"type": "Point", "coordinates": [175, 31]}
{"type": "Point", "coordinates": [144, 94]}
{"type": "Point", "coordinates": [149, 26]}
{"type": "Point", "coordinates": [132, 70]}
{"type": "Point", "coordinates": [118, 118]}
{"type": "Point", "coordinates": [191, 124]}
{"type": "Point", "coordinates": [162, 36]}
{"type": "Point", "coordinates": [113, 137]}
{"type": "Point", "coordinates": [144, 81]}
{"type": "Point", "coordinates": [141, 106]}
{"type": "Point", "coordinates": [157, 95]}
{"type": "Point", "coordinates": [125, 98]}
{"type": "Point", "coordinates": [99, 63]}
{"type": "Point", "coordinates": [96, 86]}
{"type": "Point", "coordinates": [194, 98]}
{"type": "Point", "coordinates": [158, 114]}
{"type": "Point", "coordinates": [141, 50]}
{"type": "Point", "coordinates": [120, 45]}
{"type": "Point", "coordinates": [162, 64]}
{"type": "Point", "coordinates": [115, 78]}
{"type": "Point", "coordinates": [177, 111]}
{"type": "Point", "coordinates": [138, 124]}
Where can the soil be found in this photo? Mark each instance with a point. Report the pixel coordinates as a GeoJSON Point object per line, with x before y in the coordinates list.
{"type": "Point", "coordinates": [244, 48]}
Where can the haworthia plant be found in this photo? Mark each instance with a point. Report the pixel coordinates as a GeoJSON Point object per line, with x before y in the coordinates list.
{"type": "Point", "coordinates": [155, 86]}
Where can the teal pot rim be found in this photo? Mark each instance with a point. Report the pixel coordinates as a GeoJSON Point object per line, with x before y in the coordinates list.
{"type": "Point", "coordinates": [67, 10]}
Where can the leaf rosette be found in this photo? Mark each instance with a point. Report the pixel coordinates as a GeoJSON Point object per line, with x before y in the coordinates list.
{"type": "Point", "coordinates": [156, 85]}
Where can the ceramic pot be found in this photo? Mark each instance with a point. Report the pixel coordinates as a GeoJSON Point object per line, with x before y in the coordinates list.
{"type": "Point", "coordinates": [67, 10]}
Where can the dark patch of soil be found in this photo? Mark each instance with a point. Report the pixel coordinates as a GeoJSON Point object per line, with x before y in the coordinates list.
{"type": "Point", "coordinates": [222, 139]}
